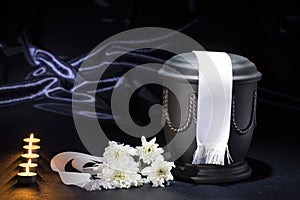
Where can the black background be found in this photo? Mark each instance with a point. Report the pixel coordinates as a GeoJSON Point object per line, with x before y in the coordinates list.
{"type": "Point", "coordinates": [266, 32]}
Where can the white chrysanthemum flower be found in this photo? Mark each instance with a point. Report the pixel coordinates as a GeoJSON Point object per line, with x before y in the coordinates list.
{"type": "Point", "coordinates": [118, 155]}
{"type": "Point", "coordinates": [120, 170]}
{"type": "Point", "coordinates": [118, 178]}
{"type": "Point", "coordinates": [118, 167]}
{"type": "Point", "coordinates": [149, 151]}
{"type": "Point", "coordinates": [159, 172]}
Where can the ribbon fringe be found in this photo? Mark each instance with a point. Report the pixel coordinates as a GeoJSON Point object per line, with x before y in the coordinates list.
{"type": "Point", "coordinates": [211, 155]}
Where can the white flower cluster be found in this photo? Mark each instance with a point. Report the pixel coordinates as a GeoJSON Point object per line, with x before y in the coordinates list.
{"type": "Point", "coordinates": [124, 166]}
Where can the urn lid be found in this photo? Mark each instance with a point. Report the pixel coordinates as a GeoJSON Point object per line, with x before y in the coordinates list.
{"type": "Point", "coordinates": [244, 71]}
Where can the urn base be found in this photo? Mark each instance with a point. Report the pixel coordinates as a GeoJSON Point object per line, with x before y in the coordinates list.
{"type": "Point", "coordinates": [211, 173]}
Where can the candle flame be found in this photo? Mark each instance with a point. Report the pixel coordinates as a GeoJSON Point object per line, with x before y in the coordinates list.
{"type": "Point", "coordinates": [31, 136]}
{"type": "Point", "coordinates": [29, 162]}
{"type": "Point", "coordinates": [27, 169]}
{"type": "Point", "coordinates": [30, 144]}
{"type": "Point", "coordinates": [29, 152]}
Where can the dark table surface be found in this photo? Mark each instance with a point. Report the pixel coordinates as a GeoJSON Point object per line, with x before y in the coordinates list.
{"type": "Point", "coordinates": [273, 156]}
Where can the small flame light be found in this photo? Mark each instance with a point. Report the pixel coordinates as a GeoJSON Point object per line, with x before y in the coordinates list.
{"type": "Point", "coordinates": [34, 148]}
{"type": "Point", "coordinates": [32, 166]}
{"type": "Point", "coordinates": [33, 156]}
{"type": "Point", "coordinates": [31, 139]}
{"type": "Point", "coordinates": [27, 177]}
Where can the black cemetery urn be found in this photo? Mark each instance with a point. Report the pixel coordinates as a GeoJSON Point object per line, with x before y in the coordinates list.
{"type": "Point", "coordinates": [243, 118]}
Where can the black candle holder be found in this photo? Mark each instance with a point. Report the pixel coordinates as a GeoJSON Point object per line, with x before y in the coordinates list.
{"type": "Point", "coordinates": [27, 178]}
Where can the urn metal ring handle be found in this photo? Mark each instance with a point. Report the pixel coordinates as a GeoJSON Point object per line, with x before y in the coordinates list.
{"type": "Point", "coordinates": [192, 114]}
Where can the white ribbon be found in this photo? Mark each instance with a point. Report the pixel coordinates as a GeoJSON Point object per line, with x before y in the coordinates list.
{"type": "Point", "coordinates": [82, 179]}
{"type": "Point", "coordinates": [214, 107]}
